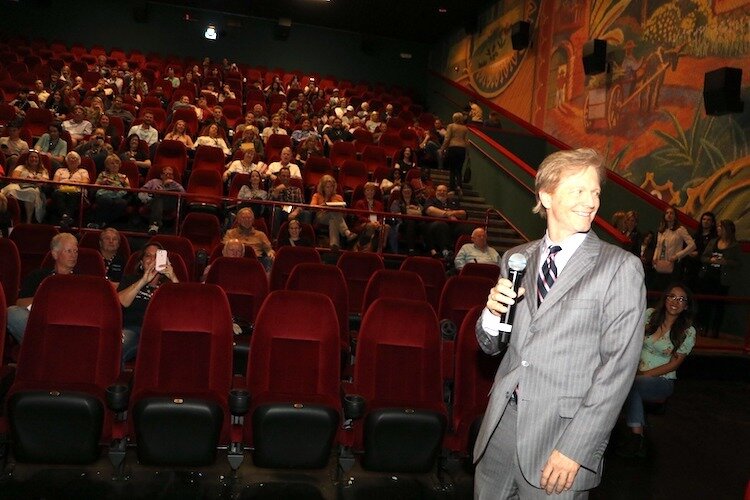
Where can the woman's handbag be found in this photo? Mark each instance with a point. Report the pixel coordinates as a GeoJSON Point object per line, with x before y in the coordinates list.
{"type": "Point", "coordinates": [663, 266]}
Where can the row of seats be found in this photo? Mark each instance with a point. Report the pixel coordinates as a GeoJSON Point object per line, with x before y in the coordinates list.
{"type": "Point", "coordinates": [182, 402]}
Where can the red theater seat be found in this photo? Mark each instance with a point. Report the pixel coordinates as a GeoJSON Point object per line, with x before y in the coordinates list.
{"type": "Point", "coordinates": [330, 281]}
{"type": "Point", "coordinates": [342, 151]}
{"type": "Point", "coordinates": [183, 375]}
{"type": "Point", "coordinates": [473, 378]}
{"type": "Point", "coordinates": [203, 230]}
{"type": "Point", "coordinates": [69, 356]}
{"type": "Point", "coordinates": [10, 270]}
{"type": "Point", "coordinates": [286, 259]}
{"type": "Point", "coordinates": [399, 376]}
{"type": "Point", "coordinates": [293, 378]}
{"type": "Point", "coordinates": [32, 241]}
{"type": "Point", "coordinates": [490, 271]}
{"type": "Point", "coordinates": [393, 284]}
{"type": "Point", "coordinates": [358, 267]}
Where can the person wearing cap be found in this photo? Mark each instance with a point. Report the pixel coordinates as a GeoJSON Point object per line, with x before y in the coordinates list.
{"type": "Point", "coordinates": [348, 116]}
{"type": "Point", "coordinates": [334, 100]}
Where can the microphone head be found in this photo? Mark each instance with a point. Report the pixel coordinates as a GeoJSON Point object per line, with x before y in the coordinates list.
{"type": "Point", "coordinates": [517, 262]}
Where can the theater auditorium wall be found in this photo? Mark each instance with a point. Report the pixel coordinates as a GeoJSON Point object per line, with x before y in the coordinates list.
{"type": "Point", "coordinates": [646, 113]}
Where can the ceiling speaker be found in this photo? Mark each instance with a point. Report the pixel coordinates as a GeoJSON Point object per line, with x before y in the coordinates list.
{"type": "Point", "coordinates": [721, 91]}
{"type": "Point", "coordinates": [595, 57]}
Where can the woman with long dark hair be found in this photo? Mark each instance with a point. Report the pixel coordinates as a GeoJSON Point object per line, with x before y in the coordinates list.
{"type": "Point", "coordinates": [670, 337]}
{"type": "Point", "coordinates": [705, 232]}
{"type": "Point", "coordinates": [721, 259]}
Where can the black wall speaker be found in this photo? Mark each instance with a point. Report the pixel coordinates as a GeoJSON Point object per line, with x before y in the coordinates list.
{"type": "Point", "coordinates": [519, 35]}
{"type": "Point", "coordinates": [282, 29]}
{"type": "Point", "coordinates": [595, 57]}
{"type": "Point", "coordinates": [721, 91]}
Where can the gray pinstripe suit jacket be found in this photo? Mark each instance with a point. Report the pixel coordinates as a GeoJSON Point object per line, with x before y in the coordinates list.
{"type": "Point", "coordinates": [573, 358]}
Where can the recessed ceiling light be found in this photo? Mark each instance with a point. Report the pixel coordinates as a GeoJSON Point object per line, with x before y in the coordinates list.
{"type": "Point", "coordinates": [442, 10]}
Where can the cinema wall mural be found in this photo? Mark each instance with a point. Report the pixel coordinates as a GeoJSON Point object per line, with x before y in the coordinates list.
{"type": "Point", "coordinates": [646, 113]}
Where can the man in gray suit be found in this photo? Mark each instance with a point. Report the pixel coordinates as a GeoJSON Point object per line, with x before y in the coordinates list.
{"type": "Point", "coordinates": [574, 347]}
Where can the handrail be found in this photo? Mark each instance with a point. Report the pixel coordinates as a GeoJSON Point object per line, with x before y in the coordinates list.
{"type": "Point", "coordinates": [616, 178]}
{"type": "Point", "coordinates": [498, 213]}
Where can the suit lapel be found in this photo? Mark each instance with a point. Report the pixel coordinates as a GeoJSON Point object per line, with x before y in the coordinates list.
{"type": "Point", "coordinates": [579, 264]}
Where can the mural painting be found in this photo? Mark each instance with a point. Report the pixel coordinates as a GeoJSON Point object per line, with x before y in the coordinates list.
{"type": "Point", "coordinates": [646, 111]}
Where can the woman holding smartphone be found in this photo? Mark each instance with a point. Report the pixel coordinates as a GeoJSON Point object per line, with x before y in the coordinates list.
{"type": "Point", "coordinates": [135, 292]}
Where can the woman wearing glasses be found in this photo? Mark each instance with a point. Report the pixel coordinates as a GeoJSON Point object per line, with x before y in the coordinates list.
{"type": "Point", "coordinates": [670, 337]}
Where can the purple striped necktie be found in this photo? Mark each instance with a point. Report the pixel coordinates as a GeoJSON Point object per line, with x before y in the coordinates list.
{"type": "Point", "coordinates": [547, 275]}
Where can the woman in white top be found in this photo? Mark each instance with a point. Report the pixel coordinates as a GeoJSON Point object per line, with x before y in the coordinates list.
{"type": "Point", "coordinates": [213, 140]}
{"type": "Point", "coordinates": [31, 194]}
{"type": "Point", "coordinates": [673, 242]}
{"type": "Point", "coordinates": [66, 196]}
{"type": "Point", "coordinates": [246, 165]}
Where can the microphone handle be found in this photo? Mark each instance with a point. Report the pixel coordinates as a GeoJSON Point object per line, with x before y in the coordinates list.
{"type": "Point", "coordinates": [506, 318]}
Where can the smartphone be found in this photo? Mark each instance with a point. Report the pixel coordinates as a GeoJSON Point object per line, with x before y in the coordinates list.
{"type": "Point", "coordinates": [161, 260]}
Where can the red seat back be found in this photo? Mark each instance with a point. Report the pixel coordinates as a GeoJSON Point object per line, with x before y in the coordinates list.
{"type": "Point", "coordinates": [203, 230]}
{"type": "Point", "coordinates": [432, 273]}
{"type": "Point", "coordinates": [358, 267]}
{"type": "Point", "coordinates": [393, 284]}
{"type": "Point", "coordinates": [245, 283]}
{"type": "Point", "coordinates": [10, 271]}
{"type": "Point", "coordinates": [330, 281]}
{"type": "Point", "coordinates": [286, 259]}
{"type": "Point", "coordinates": [32, 242]}
{"type": "Point", "coordinates": [342, 151]}
{"type": "Point", "coordinates": [490, 271]}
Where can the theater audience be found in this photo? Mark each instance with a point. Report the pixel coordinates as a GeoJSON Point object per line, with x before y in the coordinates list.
{"type": "Point", "coordinates": [672, 244]}
{"type": "Point", "coordinates": [77, 126]}
{"type": "Point", "coordinates": [404, 202]}
{"type": "Point", "coordinates": [284, 162]}
{"type": "Point", "coordinates": [369, 226]}
{"type": "Point", "coordinates": [284, 191]}
{"type": "Point", "coordinates": [250, 162]}
{"type": "Point", "coordinates": [274, 128]}
{"type": "Point", "coordinates": [232, 248]}
{"type": "Point", "coordinates": [95, 148]}
{"type": "Point", "coordinates": [180, 133]}
{"type": "Point", "coordinates": [12, 145]}
{"type": "Point", "coordinates": [294, 237]}
{"type": "Point", "coordinates": [326, 195]}
{"type": "Point", "coordinates": [135, 153]}
{"type": "Point", "coordinates": [705, 232]}
{"type": "Point", "coordinates": [64, 250]}
{"type": "Point", "coordinates": [213, 139]}
{"type": "Point", "coordinates": [248, 139]}
{"type": "Point", "coordinates": [145, 131]}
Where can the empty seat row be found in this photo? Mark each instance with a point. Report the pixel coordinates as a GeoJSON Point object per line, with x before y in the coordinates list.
{"type": "Point", "coordinates": [70, 400]}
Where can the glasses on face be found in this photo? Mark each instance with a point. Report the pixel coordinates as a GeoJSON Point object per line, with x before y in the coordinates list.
{"type": "Point", "coordinates": [677, 298]}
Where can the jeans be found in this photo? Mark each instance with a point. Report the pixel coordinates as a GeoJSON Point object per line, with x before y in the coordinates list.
{"type": "Point", "coordinates": [131, 334]}
{"type": "Point", "coordinates": [645, 389]}
{"type": "Point", "coordinates": [16, 322]}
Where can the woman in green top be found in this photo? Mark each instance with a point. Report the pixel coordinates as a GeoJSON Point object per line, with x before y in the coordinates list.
{"type": "Point", "coordinates": [670, 337]}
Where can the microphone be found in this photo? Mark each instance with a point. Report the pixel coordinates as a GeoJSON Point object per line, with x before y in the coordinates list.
{"type": "Point", "coordinates": [517, 265]}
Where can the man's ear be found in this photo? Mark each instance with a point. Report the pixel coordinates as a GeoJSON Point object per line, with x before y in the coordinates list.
{"type": "Point", "coordinates": [546, 199]}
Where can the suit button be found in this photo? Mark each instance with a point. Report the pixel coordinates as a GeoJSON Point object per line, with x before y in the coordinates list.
{"type": "Point", "coordinates": [524, 363]}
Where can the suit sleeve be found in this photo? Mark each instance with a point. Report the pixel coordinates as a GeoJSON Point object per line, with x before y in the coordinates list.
{"type": "Point", "coordinates": [622, 327]}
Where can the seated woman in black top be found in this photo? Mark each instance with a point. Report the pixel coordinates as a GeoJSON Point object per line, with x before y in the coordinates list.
{"type": "Point", "coordinates": [293, 238]}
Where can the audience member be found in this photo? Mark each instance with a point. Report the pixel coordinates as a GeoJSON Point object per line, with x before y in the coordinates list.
{"type": "Point", "coordinates": [117, 110]}
{"type": "Point", "coordinates": [12, 145]}
{"type": "Point", "coordinates": [294, 237]}
{"type": "Point", "coordinates": [78, 127]}
{"type": "Point", "coordinates": [372, 233]}
{"type": "Point", "coordinates": [144, 130]}
{"type": "Point", "coordinates": [253, 190]}
{"type": "Point", "coordinates": [439, 235]}
{"type": "Point", "coordinates": [274, 128]}
{"type": "Point", "coordinates": [250, 162]}
{"type": "Point", "coordinates": [721, 260]}
{"type": "Point", "coordinates": [67, 196]}
{"type": "Point", "coordinates": [454, 150]}
{"type": "Point", "coordinates": [217, 118]}
{"type": "Point", "coordinates": [51, 144]}
{"type": "Point", "coordinates": [248, 139]}
{"type": "Point", "coordinates": [109, 247]}
{"type": "Point", "coordinates": [135, 292]}
{"type": "Point", "coordinates": [672, 244]}
{"type": "Point", "coordinates": [232, 248]}
{"type": "Point", "coordinates": [692, 263]}
{"type": "Point", "coordinates": [248, 235]}
{"type": "Point", "coordinates": [135, 153]}
{"type": "Point", "coordinates": [213, 139]}
{"type": "Point", "coordinates": [95, 148]}
{"type": "Point", "coordinates": [631, 231]}
{"type": "Point", "coordinates": [303, 133]}
{"type": "Point", "coordinates": [285, 161]}
{"type": "Point", "coordinates": [180, 133]}
{"type": "Point", "coordinates": [477, 251]}
{"type": "Point", "coordinates": [326, 195]}
{"type": "Point", "coordinates": [64, 251]}
{"type": "Point", "coordinates": [111, 204]}
{"type": "Point", "coordinates": [670, 337]}
{"type": "Point", "coordinates": [284, 191]}
{"type": "Point", "coordinates": [159, 203]}
{"type": "Point", "coordinates": [30, 194]}
{"type": "Point", "coordinates": [404, 202]}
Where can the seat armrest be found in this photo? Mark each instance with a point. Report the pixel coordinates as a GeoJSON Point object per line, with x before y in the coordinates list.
{"type": "Point", "coordinates": [118, 397]}
{"type": "Point", "coordinates": [239, 402]}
